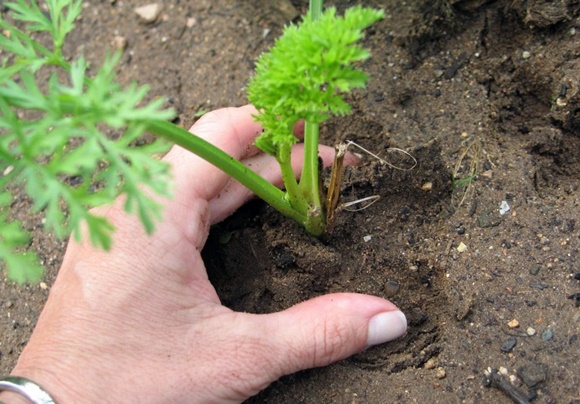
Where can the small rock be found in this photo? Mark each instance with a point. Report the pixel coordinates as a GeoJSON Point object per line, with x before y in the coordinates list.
{"type": "Point", "coordinates": [533, 373]}
{"type": "Point", "coordinates": [367, 238]}
{"type": "Point", "coordinates": [120, 42]}
{"type": "Point", "coordinates": [509, 344]}
{"type": "Point", "coordinates": [438, 73]}
{"type": "Point", "coordinates": [43, 285]}
{"type": "Point", "coordinates": [392, 288]}
{"type": "Point", "coordinates": [286, 8]}
{"type": "Point", "coordinates": [428, 186]}
{"type": "Point", "coordinates": [531, 331]}
{"type": "Point", "coordinates": [461, 247]}
{"type": "Point", "coordinates": [547, 335]}
{"type": "Point", "coordinates": [149, 13]}
{"type": "Point", "coordinates": [504, 208]}
{"type": "Point", "coordinates": [535, 270]}
{"type": "Point", "coordinates": [191, 21]}
{"type": "Point", "coordinates": [430, 364]}
{"type": "Point", "coordinates": [440, 373]}
{"type": "Point", "coordinates": [526, 55]}
{"type": "Point", "coordinates": [503, 371]}
{"type": "Point", "coordinates": [514, 323]}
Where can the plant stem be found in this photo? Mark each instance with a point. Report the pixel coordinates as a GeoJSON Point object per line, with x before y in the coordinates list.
{"type": "Point", "coordinates": [310, 178]}
{"type": "Point", "coordinates": [316, 9]}
{"type": "Point", "coordinates": [261, 187]}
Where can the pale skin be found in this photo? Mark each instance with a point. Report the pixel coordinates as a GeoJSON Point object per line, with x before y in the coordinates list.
{"type": "Point", "coordinates": [142, 323]}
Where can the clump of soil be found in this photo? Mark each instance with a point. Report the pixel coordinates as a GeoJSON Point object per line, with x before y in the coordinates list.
{"type": "Point", "coordinates": [485, 95]}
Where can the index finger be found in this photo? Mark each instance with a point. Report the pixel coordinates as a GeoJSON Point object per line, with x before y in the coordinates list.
{"type": "Point", "coordinates": [230, 129]}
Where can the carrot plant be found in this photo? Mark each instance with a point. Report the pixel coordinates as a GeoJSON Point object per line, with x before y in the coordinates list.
{"type": "Point", "coordinates": [55, 135]}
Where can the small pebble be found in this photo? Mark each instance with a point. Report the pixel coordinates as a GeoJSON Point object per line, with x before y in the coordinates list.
{"type": "Point", "coordinates": [535, 270]}
{"type": "Point", "coordinates": [148, 13]}
{"type": "Point", "coordinates": [43, 285]}
{"type": "Point", "coordinates": [120, 42]}
{"type": "Point", "coordinates": [439, 73]}
{"type": "Point", "coordinates": [392, 288]}
{"type": "Point", "coordinates": [428, 186]}
{"type": "Point", "coordinates": [509, 344]}
{"type": "Point", "coordinates": [440, 373]}
{"type": "Point", "coordinates": [504, 208]}
{"type": "Point", "coordinates": [190, 22]}
{"type": "Point", "coordinates": [461, 247]}
{"type": "Point", "coordinates": [531, 331]}
{"type": "Point", "coordinates": [547, 335]}
{"type": "Point", "coordinates": [514, 323]}
{"type": "Point", "coordinates": [526, 55]}
{"type": "Point", "coordinates": [430, 364]}
{"type": "Point", "coordinates": [503, 370]}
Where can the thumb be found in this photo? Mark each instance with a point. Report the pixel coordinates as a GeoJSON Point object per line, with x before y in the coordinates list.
{"type": "Point", "coordinates": [331, 327]}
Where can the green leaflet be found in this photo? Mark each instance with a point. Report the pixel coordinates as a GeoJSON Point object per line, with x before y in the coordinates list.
{"type": "Point", "coordinates": [304, 74]}
{"type": "Point", "coordinates": [56, 140]}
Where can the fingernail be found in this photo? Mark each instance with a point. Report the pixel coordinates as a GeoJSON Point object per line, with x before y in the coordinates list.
{"type": "Point", "coordinates": [386, 326]}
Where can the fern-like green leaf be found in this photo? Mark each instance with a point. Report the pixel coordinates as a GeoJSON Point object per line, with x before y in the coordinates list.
{"type": "Point", "coordinates": [303, 75]}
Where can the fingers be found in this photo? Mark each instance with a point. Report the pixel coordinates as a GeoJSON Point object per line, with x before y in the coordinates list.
{"type": "Point", "coordinates": [230, 129]}
{"type": "Point", "coordinates": [310, 334]}
{"type": "Point", "coordinates": [332, 327]}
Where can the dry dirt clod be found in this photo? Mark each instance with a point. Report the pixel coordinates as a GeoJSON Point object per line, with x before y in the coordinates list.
{"type": "Point", "coordinates": [148, 14]}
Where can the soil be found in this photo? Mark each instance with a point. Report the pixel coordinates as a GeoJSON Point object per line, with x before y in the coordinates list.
{"type": "Point", "coordinates": [484, 230]}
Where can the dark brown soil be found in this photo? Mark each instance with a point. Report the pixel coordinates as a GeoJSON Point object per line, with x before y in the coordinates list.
{"type": "Point", "coordinates": [486, 96]}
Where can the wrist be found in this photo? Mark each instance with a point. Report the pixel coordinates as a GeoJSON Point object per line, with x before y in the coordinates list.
{"type": "Point", "coordinates": [10, 397]}
{"type": "Point", "coordinates": [46, 387]}
{"type": "Point", "coordinates": [25, 388]}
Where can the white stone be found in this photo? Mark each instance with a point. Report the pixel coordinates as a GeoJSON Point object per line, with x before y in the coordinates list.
{"type": "Point", "coordinates": [148, 13]}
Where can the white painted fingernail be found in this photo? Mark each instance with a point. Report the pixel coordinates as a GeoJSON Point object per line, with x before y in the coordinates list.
{"type": "Point", "coordinates": [386, 326]}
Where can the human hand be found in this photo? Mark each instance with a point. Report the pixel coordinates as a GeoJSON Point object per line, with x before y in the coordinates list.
{"type": "Point", "coordinates": [142, 323]}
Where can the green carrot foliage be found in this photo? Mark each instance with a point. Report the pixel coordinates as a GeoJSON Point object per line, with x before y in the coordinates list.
{"type": "Point", "coordinates": [304, 74]}
{"type": "Point", "coordinates": [55, 137]}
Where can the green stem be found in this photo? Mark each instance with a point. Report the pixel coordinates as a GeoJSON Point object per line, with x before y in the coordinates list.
{"type": "Point", "coordinates": [315, 9]}
{"type": "Point", "coordinates": [293, 192]}
{"type": "Point", "coordinates": [261, 187]}
{"type": "Point", "coordinates": [310, 179]}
